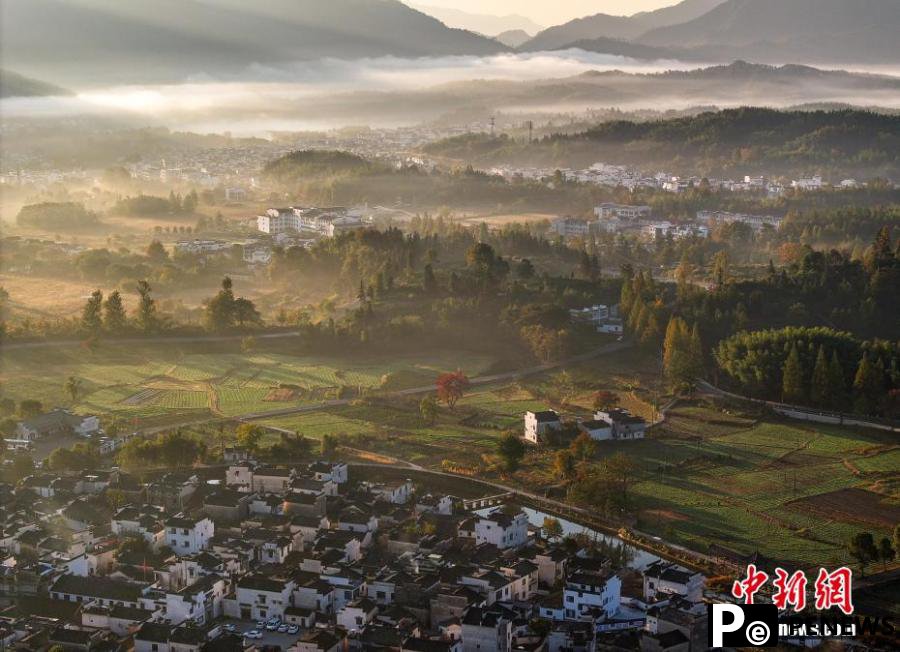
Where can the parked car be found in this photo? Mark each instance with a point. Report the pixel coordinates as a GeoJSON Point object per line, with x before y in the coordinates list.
{"type": "Point", "coordinates": [282, 628]}
{"type": "Point", "coordinates": [253, 633]}
{"type": "Point", "coordinates": [260, 624]}
{"type": "Point", "coordinates": [294, 629]}
{"type": "Point", "coordinates": [230, 627]}
{"type": "Point", "coordinates": [271, 626]}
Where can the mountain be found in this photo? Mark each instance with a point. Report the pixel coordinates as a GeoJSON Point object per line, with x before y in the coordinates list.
{"type": "Point", "coordinates": [480, 23]}
{"type": "Point", "coordinates": [630, 49]}
{"type": "Point", "coordinates": [833, 31]}
{"type": "Point", "coordinates": [733, 141]}
{"type": "Point", "coordinates": [15, 85]}
{"type": "Point", "coordinates": [131, 41]}
{"type": "Point", "coordinates": [513, 38]}
{"type": "Point", "coordinates": [617, 27]}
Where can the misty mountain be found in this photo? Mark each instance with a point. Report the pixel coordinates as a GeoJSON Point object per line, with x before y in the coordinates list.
{"type": "Point", "coordinates": [835, 31]}
{"type": "Point", "coordinates": [15, 85]}
{"type": "Point", "coordinates": [480, 23]}
{"type": "Point", "coordinates": [129, 41]}
{"type": "Point", "coordinates": [513, 38]}
{"type": "Point", "coordinates": [631, 50]}
{"type": "Point", "coordinates": [618, 27]}
{"type": "Point", "coordinates": [848, 142]}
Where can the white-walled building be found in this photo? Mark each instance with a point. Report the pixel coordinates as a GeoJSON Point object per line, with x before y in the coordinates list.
{"type": "Point", "coordinates": [188, 536]}
{"type": "Point", "coordinates": [538, 424]}
{"type": "Point", "coordinates": [502, 530]}
{"type": "Point", "coordinates": [592, 595]}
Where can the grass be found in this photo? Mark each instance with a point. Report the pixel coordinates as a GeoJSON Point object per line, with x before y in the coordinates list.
{"type": "Point", "coordinates": [734, 488]}
{"type": "Point", "coordinates": [207, 376]}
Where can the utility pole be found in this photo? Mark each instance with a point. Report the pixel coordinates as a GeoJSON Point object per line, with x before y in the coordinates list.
{"type": "Point", "coordinates": [493, 122]}
{"type": "Point", "coordinates": [530, 124]}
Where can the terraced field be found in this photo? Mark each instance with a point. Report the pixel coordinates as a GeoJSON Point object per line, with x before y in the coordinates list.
{"type": "Point", "coordinates": [141, 383]}
{"type": "Point", "coordinates": [772, 486]}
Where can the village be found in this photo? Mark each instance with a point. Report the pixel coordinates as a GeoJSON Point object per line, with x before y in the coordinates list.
{"type": "Point", "coordinates": [307, 558]}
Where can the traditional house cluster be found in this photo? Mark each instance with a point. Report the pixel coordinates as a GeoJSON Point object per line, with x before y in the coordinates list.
{"type": "Point", "coordinates": [303, 559]}
{"type": "Point", "coordinates": [612, 424]}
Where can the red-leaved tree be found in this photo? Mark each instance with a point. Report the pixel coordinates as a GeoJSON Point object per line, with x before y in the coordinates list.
{"type": "Point", "coordinates": [451, 386]}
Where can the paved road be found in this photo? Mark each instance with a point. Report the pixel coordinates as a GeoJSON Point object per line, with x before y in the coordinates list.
{"type": "Point", "coordinates": [480, 380]}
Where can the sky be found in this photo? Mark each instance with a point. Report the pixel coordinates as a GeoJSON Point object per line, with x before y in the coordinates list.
{"type": "Point", "coordinates": [551, 13]}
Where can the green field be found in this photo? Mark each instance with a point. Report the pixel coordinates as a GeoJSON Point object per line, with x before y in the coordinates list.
{"type": "Point", "coordinates": [144, 383]}
{"type": "Point", "coordinates": [708, 477]}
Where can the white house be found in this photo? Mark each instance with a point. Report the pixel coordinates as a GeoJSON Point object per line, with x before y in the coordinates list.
{"type": "Point", "coordinates": [592, 595]}
{"type": "Point", "coordinates": [598, 430]}
{"type": "Point", "coordinates": [624, 425]}
{"type": "Point", "coordinates": [666, 578]}
{"type": "Point", "coordinates": [621, 211]}
{"type": "Point", "coordinates": [502, 530]}
{"type": "Point", "coordinates": [538, 424]}
{"type": "Point", "coordinates": [57, 422]}
{"type": "Point", "coordinates": [355, 615]}
{"type": "Point", "coordinates": [188, 536]}
{"type": "Point", "coordinates": [260, 598]}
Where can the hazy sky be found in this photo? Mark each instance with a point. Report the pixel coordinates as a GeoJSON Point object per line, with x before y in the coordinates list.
{"type": "Point", "coordinates": [551, 13]}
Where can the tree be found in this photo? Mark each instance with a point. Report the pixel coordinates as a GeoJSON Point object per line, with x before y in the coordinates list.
{"type": "Point", "coordinates": [819, 385]}
{"type": "Point", "coordinates": [146, 312]}
{"type": "Point", "coordinates": [511, 450]}
{"type": "Point", "coordinates": [605, 400]}
{"type": "Point", "coordinates": [552, 527]}
{"type": "Point", "coordinates": [620, 469]}
{"type": "Point", "coordinates": [329, 445]}
{"type": "Point", "coordinates": [92, 315]}
{"type": "Point", "coordinates": [220, 309]}
{"type": "Point", "coordinates": [862, 548]}
{"type": "Point", "coordinates": [868, 386]}
{"type": "Point", "coordinates": [524, 269]}
{"type": "Point", "coordinates": [583, 447]}
{"type": "Point", "coordinates": [886, 552]}
{"type": "Point", "coordinates": [792, 385]}
{"type": "Point", "coordinates": [564, 465]}
{"type": "Point", "coordinates": [30, 408]}
{"type": "Point", "coordinates": [720, 268]}
{"type": "Point", "coordinates": [249, 435]}
{"type": "Point", "coordinates": [429, 282]}
{"type": "Point", "coordinates": [428, 408]}
{"type": "Point", "coordinates": [451, 387]}
{"type": "Point", "coordinates": [677, 363]}
{"type": "Point", "coordinates": [245, 312]}
{"type": "Point", "coordinates": [157, 252]}
{"type": "Point", "coordinates": [114, 319]}
{"type": "Point", "coordinates": [73, 387]}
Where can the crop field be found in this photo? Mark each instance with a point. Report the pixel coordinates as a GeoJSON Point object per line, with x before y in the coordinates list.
{"type": "Point", "coordinates": [144, 382]}
{"type": "Point", "coordinates": [793, 492]}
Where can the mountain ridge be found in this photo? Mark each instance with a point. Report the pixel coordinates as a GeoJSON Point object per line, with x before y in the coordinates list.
{"type": "Point", "coordinates": [110, 41]}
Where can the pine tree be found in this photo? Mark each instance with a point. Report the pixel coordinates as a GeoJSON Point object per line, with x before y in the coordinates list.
{"type": "Point", "coordinates": [695, 351]}
{"type": "Point", "coordinates": [92, 316]}
{"type": "Point", "coordinates": [867, 386]}
{"type": "Point", "coordinates": [819, 386]}
{"type": "Point", "coordinates": [792, 389]}
{"type": "Point", "coordinates": [146, 312]}
{"type": "Point", "coordinates": [114, 319]}
{"type": "Point", "coordinates": [837, 392]}
{"type": "Point", "coordinates": [429, 282]}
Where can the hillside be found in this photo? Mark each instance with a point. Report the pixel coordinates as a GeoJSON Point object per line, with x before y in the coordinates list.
{"type": "Point", "coordinates": [791, 30]}
{"type": "Point", "coordinates": [513, 38]}
{"type": "Point", "coordinates": [16, 85]}
{"type": "Point", "coordinates": [481, 23]}
{"type": "Point", "coordinates": [108, 41]}
{"type": "Point", "coordinates": [850, 142]}
{"type": "Point", "coordinates": [617, 27]}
